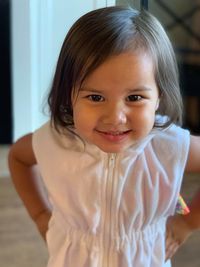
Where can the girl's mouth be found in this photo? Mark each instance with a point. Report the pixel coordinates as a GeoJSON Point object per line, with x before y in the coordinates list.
{"type": "Point", "coordinates": [114, 136]}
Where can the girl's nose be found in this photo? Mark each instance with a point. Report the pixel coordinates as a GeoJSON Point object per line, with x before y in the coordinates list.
{"type": "Point", "coordinates": [115, 116]}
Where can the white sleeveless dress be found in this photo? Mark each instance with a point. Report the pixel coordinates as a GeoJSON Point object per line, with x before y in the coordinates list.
{"type": "Point", "coordinates": [110, 210]}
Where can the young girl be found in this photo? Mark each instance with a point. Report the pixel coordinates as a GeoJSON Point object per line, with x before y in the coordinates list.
{"type": "Point", "coordinates": [112, 156]}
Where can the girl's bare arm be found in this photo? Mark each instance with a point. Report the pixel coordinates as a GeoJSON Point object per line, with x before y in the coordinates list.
{"type": "Point", "coordinates": [27, 181]}
{"type": "Point", "coordinates": [179, 227]}
{"type": "Point", "coordinates": [193, 166]}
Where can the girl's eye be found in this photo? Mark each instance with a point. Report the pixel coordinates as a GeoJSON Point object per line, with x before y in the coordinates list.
{"type": "Point", "coordinates": [95, 98]}
{"type": "Point", "coordinates": [133, 98]}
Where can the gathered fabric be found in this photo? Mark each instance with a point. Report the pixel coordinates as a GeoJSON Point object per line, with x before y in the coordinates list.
{"type": "Point", "coordinates": [110, 210]}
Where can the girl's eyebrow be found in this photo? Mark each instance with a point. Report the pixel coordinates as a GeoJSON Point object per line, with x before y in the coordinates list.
{"type": "Point", "coordinates": [140, 89]}
{"type": "Point", "coordinates": [87, 89]}
{"type": "Point", "coordinates": [137, 89]}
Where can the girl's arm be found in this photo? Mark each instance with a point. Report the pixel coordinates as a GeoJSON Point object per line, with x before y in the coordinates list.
{"type": "Point", "coordinates": [193, 166]}
{"type": "Point", "coordinates": [26, 178]}
{"type": "Point", "coordinates": [180, 227]}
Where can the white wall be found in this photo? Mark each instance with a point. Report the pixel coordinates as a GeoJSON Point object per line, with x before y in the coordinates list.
{"type": "Point", "coordinates": [38, 30]}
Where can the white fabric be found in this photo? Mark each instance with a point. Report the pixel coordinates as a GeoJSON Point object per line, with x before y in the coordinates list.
{"type": "Point", "coordinates": [110, 210]}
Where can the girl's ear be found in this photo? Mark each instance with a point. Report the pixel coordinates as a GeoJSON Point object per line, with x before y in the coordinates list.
{"type": "Point", "coordinates": [157, 104]}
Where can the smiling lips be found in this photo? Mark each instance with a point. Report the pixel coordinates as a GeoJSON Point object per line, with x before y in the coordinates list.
{"type": "Point", "coordinates": [114, 136]}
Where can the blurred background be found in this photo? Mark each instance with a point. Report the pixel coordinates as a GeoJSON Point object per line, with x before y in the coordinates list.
{"type": "Point", "coordinates": [32, 32]}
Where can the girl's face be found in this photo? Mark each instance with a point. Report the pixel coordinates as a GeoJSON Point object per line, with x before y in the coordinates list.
{"type": "Point", "coordinates": [115, 107]}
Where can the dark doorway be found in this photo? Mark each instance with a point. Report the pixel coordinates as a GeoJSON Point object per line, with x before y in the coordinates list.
{"type": "Point", "coordinates": [5, 74]}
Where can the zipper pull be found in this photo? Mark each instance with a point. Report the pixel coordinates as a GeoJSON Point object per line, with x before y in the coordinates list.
{"type": "Point", "coordinates": [112, 159]}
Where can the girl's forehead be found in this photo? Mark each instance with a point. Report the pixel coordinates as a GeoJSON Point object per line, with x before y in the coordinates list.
{"type": "Point", "coordinates": [131, 56]}
{"type": "Point", "coordinates": [124, 72]}
{"type": "Point", "coordinates": [135, 60]}
{"type": "Point", "coordinates": [129, 63]}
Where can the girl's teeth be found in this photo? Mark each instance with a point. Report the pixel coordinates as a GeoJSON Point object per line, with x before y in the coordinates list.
{"type": "Point", "coordinates": [117, 133]}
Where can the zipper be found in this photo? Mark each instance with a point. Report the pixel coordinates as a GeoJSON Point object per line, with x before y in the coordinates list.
{"type": "Point", "coordinates": [108, 209]}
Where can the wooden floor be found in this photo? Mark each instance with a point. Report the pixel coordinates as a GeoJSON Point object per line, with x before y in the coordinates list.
{"type": "Point", "coordinates": [21, 245]}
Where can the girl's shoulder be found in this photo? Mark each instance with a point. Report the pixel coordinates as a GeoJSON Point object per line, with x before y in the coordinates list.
{"type": "Point", "coordinates": [172, 133]}
{"type": "Point", "coordinates": [171, 142]}
{"type": "Point", "coordinates": [172, 136]}
{"type": "Point", "coordinates": [48, 136]}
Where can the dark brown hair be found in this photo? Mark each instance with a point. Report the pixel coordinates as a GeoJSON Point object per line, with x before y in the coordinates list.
{"type": "Point", "coordinates": [106, 32]}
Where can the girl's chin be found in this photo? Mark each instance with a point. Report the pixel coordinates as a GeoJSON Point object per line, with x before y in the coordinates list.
{"type": "Point", "coordinates": [113, 148]}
